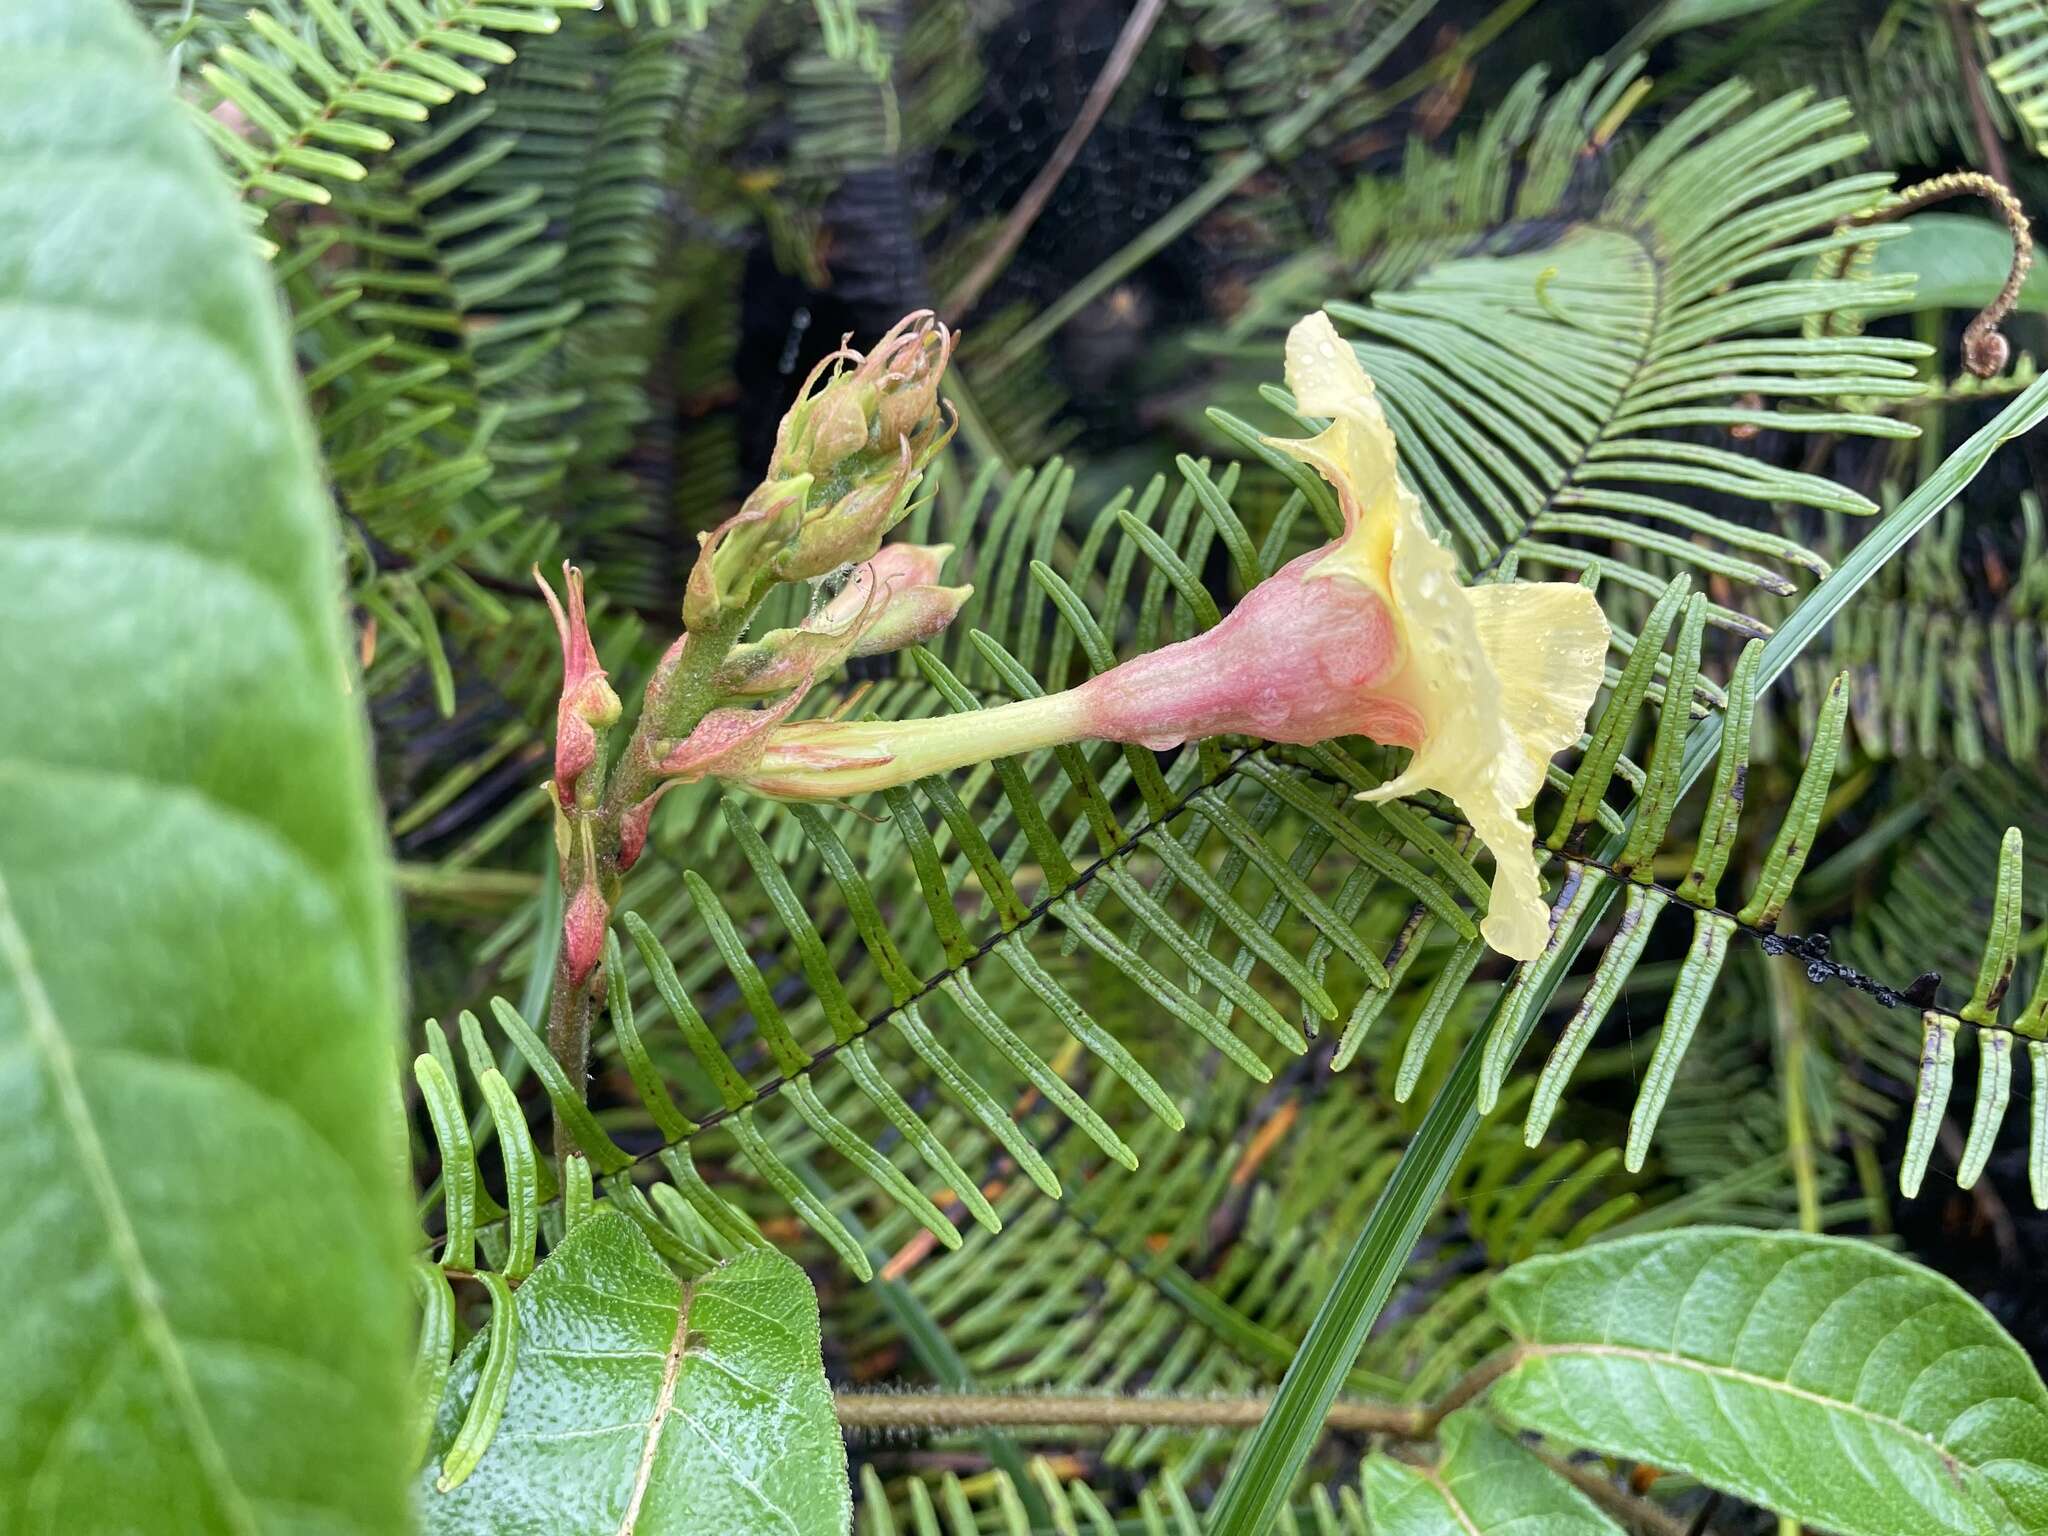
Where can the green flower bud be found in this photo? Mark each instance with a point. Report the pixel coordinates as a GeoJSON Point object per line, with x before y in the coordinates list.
{"type": "Point", "coordinates": [732, 559]}
{"type": "Point", "coordinates": [847, 458]}
{"type": "Point", "coordinates": [851, 427]}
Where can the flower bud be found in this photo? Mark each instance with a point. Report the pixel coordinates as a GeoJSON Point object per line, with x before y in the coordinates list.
{"type": "Point", "coordinates": [863, 436]}
{"type": "Point", "coordinates": [864, 411]}
{"type": "Point", "coordinates": [633, 827]}
{"type": "Point", "coordinates": [851, 528]}
{"type": "Point", "coordinates": [587, 705]}
{"type": "Point", "coordinates": [732, 559]}
{"type": "Point", "coordinates": [836, 428]}
{"type": "Point", "coordinates": [894, 600]}
{"type": "Point", "coordinates": [584, 922]}
{"type": "Point", "coordinates": [914, 357]}
{"type": "Point", "coordinates": [889, 603]}
{"type": "Point", "coordinates": [725, 743]}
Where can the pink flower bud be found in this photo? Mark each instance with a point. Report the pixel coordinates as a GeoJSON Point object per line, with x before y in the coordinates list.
{"type": "Point", "coordinates": [893, 601]}
{"type": "Point", "coordinates": [911, 617]}
{"type": "Point", "coordinates": [634, 824]}
{"type": "Point", "coordinates": [587, 704]}
{"type": "Point", "coordinates": [887, 604]}
{"type": "Point", "coordinates": [726, 742]}
{"type": "Point", "coordinates": [584, 922]}
{"type": "Point", "coordinates": [896, 570]}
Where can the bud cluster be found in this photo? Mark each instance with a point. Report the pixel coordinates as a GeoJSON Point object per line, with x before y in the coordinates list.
{"type": "Point", "coordinates": [848, 457]}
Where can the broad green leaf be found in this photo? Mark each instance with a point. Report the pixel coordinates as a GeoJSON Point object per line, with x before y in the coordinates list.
{"type": "Point", "coordinates": [204, 1236]}
{"type": "Point", "coordinates": [642, 1404]}
{"type": "Point", "coordinates": [1483, 1483]}
{"type": "Point", "coordinates": [1820, 1377]}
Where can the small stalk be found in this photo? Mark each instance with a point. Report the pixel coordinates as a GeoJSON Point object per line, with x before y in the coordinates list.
{"type": "Point", "coordinates": [678, 699]}
{"type": "Point", "coordinates": [1789, 1004]}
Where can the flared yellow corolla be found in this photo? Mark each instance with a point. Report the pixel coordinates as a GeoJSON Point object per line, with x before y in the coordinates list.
{"type": "Point", "coordinates": [1370, 635]}
{"type": "Point", "coordinates": [1499, 677]}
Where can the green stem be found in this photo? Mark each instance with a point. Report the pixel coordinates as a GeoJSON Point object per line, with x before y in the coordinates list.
{"type": "Point", "coordinates": [828, 760]}
{"type": "Point", "coordinates": [676, 702]}
{"type": "Point", "coordinates": [961, 1410]}
{"type": "Point", "coordinates": [1789, 1005]}
{"type": "Point", "coordinates": [957, 1410]}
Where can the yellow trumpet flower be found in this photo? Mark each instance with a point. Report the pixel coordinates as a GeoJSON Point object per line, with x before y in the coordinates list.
{"type": "Point", "coordinates": [1370, 635]}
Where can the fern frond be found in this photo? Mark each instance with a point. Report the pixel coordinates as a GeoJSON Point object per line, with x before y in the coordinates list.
{"type": "Point", "coordinates": [1394, 225]}
{"type": "Point", "coordinates": [295, 111]}
{"type": "Point", "coordinates": [1265, 59]}
{"type": "Point", "coordinates": [2018, 34]}
{"type": "Point", "coordinates": [1947, 653]}
{"type": "Point", "coordinates": [1715, 928]}
{"type": "Point", "coordinates": [1915, 92]}
{"type": "Point", "coordinates": [1536, 394]}
{"type": "Point", "coordinates": [947, 1505]}
{"type": "Point", "coordinates": [1914, 924]}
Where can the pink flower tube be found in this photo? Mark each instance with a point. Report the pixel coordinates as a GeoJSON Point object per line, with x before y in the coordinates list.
{"type": "Point", "coordinates": [1371, 635]}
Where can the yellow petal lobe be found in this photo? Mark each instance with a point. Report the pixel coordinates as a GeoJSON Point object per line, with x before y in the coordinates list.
{"type": "Point", "coordinates": [1501, 676]}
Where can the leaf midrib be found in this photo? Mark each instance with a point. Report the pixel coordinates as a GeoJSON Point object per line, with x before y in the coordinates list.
{"type": "Point", "coordinates": [46, 1035]}
{"type": "Point", "coordinates": [1747, 1378]}
{"type": "Point", "coordinates": [1436, 1480]}
{"type": "Point", "coordinates": [664, 1401]}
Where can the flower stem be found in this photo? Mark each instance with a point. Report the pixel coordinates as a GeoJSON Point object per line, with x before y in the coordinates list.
{"type": "Point", "coordinates": [681, 694]}
{"type": "Point", "coordinates": [569, 1012]}
{"type": "Point", "coordinates": [678, 696]}
{"type": "Point", "coordinates": [825, 760]}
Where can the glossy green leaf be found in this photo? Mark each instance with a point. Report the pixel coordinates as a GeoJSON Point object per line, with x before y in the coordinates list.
{"type": "Point", "coordinates": [641, 1404]}
{"type": "Point", "coordinates": [1821, 1377]}
{"type": "Point", "coordinates": [204, 1241]}
{"type": "Point", "coordinates": [1484, 1484]}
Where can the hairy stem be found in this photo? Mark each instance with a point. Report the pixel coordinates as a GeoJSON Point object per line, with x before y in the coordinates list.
{"type": "Point", "coordinates": [570, 1007]}
{"type": "Point", "coordinates": [951, 1410]}
{"type": "Point", "coordinates": [677, 698]}
{"type": "Point", "coordinates": [959, 1410]}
